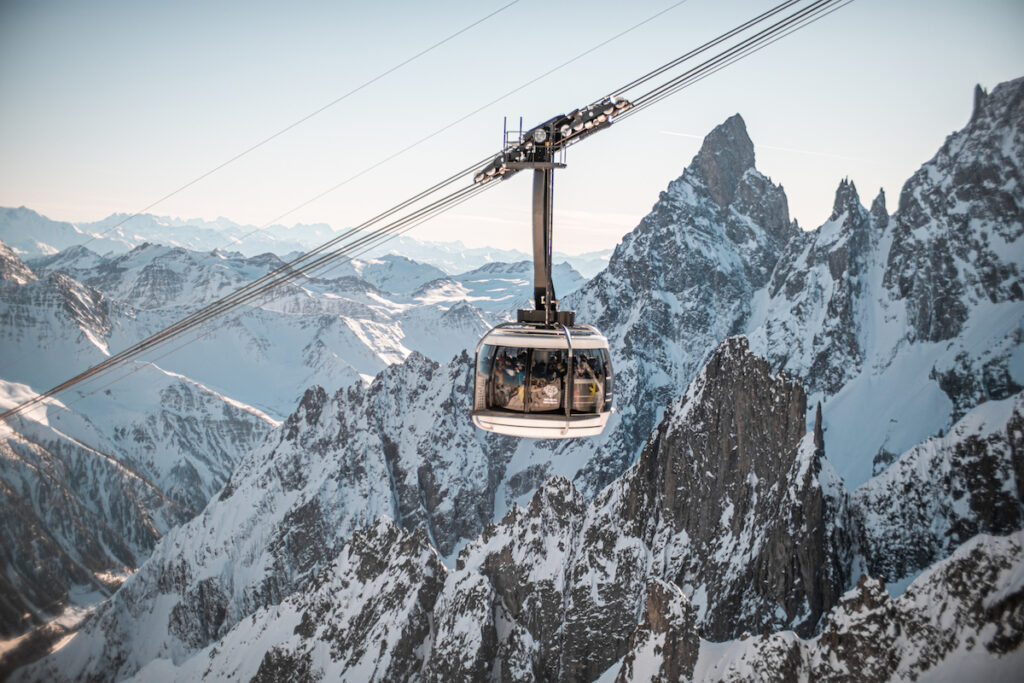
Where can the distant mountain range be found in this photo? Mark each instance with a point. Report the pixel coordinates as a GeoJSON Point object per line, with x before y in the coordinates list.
{"type": "Point", "coordinates": [32, 235]}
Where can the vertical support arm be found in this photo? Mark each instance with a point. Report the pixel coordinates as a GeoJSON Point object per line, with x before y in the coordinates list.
{"type": "Point", "coordinates": [543, 194]}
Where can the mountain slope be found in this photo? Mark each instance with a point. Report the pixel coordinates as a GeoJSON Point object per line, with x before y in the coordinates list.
{"type": "Point", "coordinates": [74, 519]}
{"type": "Point", "coordinates": [686, 548]}
{"type": "Point", "coordinates": [901, 324]}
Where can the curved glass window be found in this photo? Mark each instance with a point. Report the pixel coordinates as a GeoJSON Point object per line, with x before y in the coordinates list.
{"type": "Point", "coordinates": [528, 380]}
{"type": "Point", "coordinates": [590, 370]}
{"type": "Point", "coordinates": [521, 380]}
{"type": "Point", "coordinates": [547, 380]}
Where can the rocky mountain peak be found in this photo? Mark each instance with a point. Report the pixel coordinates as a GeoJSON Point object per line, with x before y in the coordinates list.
{"type": "Point", "coordinates": [980, 94]}
{"type": "Point", "coordinates": [724, 423]}
{"type": "Point", "coordinates": [727, 153]}
{"type": "Point", "coordinates": [847, 200]}
{"type": "Point", "coordinates": [879, 213]}
{"type": "Point", "coordinates": [725, 460]}
{"type": "Point", "coordinates": [1003, 108]}
{"type": "Point", "coordinates": [957, 232]}
{"type": "Point", "coordinates": [308, 412]}
{"type": "Point", "coordinates": [12, 268]}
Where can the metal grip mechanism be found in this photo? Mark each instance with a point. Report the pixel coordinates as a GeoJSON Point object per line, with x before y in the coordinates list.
{"type": "Point", "coordinates": [536, 149]}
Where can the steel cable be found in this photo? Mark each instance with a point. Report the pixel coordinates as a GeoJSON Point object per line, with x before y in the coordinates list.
{"type": "Point", "coordinates": [338, 250]}
{"type": "Point", "coordinates": [748, 46]}
{"type": "Point", "coordinates": [262, 287]}
{"type": "Point", "coordinates": [302, 120]}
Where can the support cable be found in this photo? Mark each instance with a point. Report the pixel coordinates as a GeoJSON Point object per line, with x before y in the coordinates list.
{"type": "Point", "coordinates": [300, 121]}
{"type": "Point", "coordinates": [343, 247]}
{"type": "Point", "coordinates": [748, 46]}
{"type": "Point", "coordinates": [265, 286]}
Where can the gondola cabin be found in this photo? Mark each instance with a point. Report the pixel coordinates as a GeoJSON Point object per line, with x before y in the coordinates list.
{"type": "Point", "coordinates": [545, 382]}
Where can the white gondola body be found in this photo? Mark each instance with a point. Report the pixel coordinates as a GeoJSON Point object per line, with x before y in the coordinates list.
{"type": "Point", "coordinates": [543, 382]}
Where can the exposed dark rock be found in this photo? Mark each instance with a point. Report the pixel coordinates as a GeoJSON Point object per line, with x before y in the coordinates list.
{"type": "Point", "coordinates": [972, 186]}
{"type": "Point", "coordinates": [668, 628]}
{"type": "Point", "coordinates": [727, 153]}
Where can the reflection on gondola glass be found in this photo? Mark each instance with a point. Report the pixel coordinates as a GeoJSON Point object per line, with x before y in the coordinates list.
{"type": "Point", "coordinates": [591, 381]}
{"type": "Point", "coordinates": [547, 380]}
{"type": "Point", "coordinates": [533, 380]}
{"type": "Point", "coordinates": [522, 380]}
{"type": "Point", "coordinates": [543, 382]}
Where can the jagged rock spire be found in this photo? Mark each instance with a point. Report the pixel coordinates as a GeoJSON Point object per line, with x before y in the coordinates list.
{"type": "Point", "coordinates": [819, 435]}
{"type": "Point", "coordinates": [847, 200]}
{"type": "Point", "coordinates": [980, 95]}
{"type": "Point", "coordinates": [879, 213]}
{"type": "Point", "coordinates": [724, 157]}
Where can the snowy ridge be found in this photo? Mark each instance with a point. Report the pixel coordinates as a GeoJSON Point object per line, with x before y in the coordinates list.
{"type": "Point", "coordinates": [498, 288]}
{"type": "Point", "coordinates": [959, 621]}
{"type": "Point", "coordinates": [901, 324]}
{"type": "Point", "coordinates": [945, 491]}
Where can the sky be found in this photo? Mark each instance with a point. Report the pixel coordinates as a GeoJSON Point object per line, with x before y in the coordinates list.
{"type": "Point", "coordinates": [110, 105]}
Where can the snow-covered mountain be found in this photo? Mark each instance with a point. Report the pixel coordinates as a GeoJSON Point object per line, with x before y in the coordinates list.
{"type": "Point", "coordinates": [89, 490]}
{"type": "Point", "coordinates": [344, 327]}
{"type": "Point", "coordinates": [898, 324]}
{"type": "Point", "coordinates": [498, 288]}
{"type": "Point", "coordinates": [901, 324]}
{"type": "Point", "coordinates": [731, 522]}
{"type": "Point", "coordinates": [703, 514]}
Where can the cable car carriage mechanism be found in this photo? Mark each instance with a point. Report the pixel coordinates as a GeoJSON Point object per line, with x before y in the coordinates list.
{"type": "Point", "coordinates": [544, 376]}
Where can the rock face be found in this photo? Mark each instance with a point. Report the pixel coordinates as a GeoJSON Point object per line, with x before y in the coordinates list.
{"type": "Point", "coordinates": [71, 517]}
{"type": "Point", "coordinates": [678, 285]}
{"type": "Point", "coordinates": [962, 620]}
{"type": "Point", "coordinates": [664, 647]}
{"type": "Point", "coordinates": [739, 478]}
{"type": "Point", "coordinates": [945, 491]}
{"type": "Point", "coordinates": [823, 280]}
{"type": "Point", "coordinates": [973, 189]}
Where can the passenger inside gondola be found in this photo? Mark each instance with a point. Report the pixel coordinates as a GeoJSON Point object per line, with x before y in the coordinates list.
{"type": "Point", "coordinates": [547, 381]}
{"type": "Point", "coordinates": [588, 382]}
{"type": "Point", "coordinates": [514, 378]}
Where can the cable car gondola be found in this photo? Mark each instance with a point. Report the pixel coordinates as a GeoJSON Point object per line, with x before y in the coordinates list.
{"type": "Point", "coordinates": [544, 376]}
{"type": "Point", "coordinates": [543, 381]}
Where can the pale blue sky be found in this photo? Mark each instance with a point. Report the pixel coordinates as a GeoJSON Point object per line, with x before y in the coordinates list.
{"type": "Point", "coordinates": [107, 106]}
